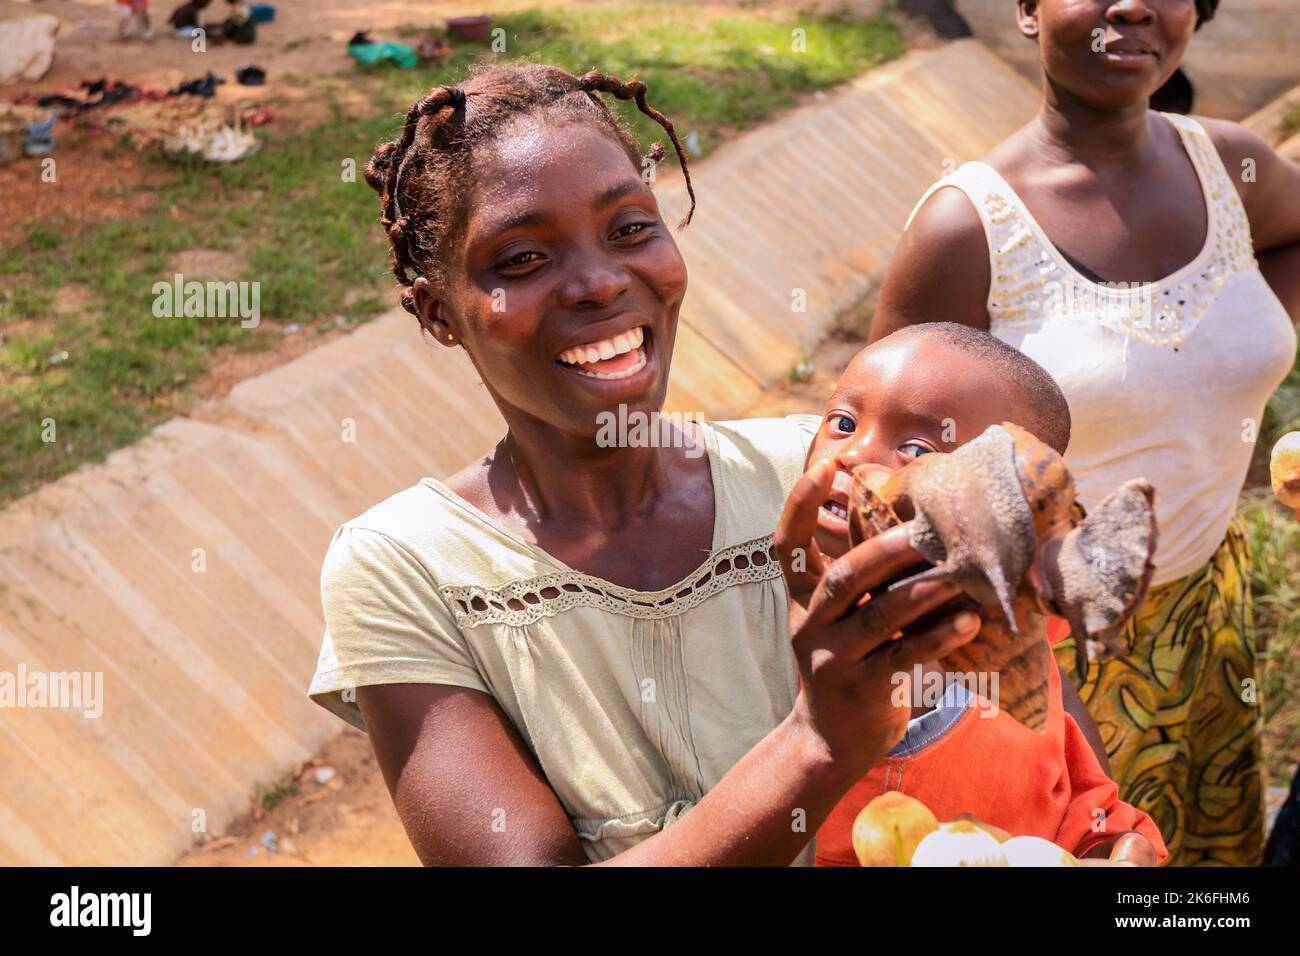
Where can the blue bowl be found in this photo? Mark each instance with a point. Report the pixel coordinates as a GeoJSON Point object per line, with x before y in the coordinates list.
{"type": "Point", "coordinates": [263, 12]}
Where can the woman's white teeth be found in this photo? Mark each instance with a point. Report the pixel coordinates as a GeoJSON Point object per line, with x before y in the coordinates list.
{"type": "Point", "coordinates": [611, 376]}
{"type": "Point", "coordinates": [604, 350]}
{"type": "Point", "coordinates": [837, 509]}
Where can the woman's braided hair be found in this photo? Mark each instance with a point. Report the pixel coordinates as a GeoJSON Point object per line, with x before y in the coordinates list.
{"type": "Point", "coordinates": [422, 176]}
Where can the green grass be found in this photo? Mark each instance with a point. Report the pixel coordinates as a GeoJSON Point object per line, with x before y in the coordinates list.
{"type": "Point", "coordinates": [712, 72]}
{"type": "Point", "coordinates": [303, 234]}
{"type": "Point", "coordinates": [1283, 413]}
{"type": "Point", "coordinates": [310, 239]}
{"type": "Point", "coordinates": [267, 795]}
{"type": "Point", "coordinates": [1275, 582]}
{"type": "Point", "coordinates": [1290, 123]}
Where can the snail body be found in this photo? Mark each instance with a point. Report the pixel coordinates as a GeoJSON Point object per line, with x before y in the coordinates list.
{"type": "Point", "coordinates": [999, 517]}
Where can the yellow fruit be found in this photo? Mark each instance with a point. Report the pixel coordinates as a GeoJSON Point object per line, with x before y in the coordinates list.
{"type": "Point", "coordinates": [1285, 470]}
{"type": "Point", "coordinates": [888, 829]}
{"type": "Point", "coordinates": [960, 843]}
{"type": "Point", "coordinates": [1035, 851]}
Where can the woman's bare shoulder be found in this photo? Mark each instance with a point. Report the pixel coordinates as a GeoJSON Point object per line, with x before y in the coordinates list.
{"type": "Point", "coordinates": [473, 483]}
{"type": "Point", "coordinates": [1233, 141]}
{"type": "Point", "coordinates": [939, 269]}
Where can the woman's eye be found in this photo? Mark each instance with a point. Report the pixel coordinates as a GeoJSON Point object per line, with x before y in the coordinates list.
{"type": "Point", "coordinates": [843, 424]}
{"type": "Point", "coordinates": [914, 450]}
{"type": "Point", "coordinates": [631, 229]}
{"type": "Point", "coordinates": [520, 259]}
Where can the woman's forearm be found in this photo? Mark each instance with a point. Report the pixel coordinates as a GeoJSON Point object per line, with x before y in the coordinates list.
{"type": "Point", "coordinates": [763, 812]}
{"type": "Point", "coordinates": [1281, 267]}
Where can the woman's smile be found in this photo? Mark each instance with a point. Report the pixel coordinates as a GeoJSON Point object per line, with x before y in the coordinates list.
{"type": "Point", "coordinates": [612, 367]}
{"type": "Point", "coordinates": [617, 357]}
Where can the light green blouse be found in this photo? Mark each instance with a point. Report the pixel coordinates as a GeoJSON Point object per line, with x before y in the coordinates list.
{"type": "Point", "coordinates": [634, 703]}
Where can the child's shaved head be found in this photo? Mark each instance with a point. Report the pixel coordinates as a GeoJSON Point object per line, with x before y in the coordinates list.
{"type": "Point", "coordinates": [927, 388]}
{"type": "Point", "coordinates": [1045, 412]}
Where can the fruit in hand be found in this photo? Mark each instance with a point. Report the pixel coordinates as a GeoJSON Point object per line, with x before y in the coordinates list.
{"type": "Point", "coordinates": [960, 843]}
{"type": "Point", "coordinates": [888, 829]}
{"type": "Point", "coordinates": [1035, 851]}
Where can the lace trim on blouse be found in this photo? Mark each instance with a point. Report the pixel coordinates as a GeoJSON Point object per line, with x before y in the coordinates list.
{"type": "Point", "coordinates": [522, 602]}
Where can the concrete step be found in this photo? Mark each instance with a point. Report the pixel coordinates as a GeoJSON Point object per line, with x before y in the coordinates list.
{"type": "Point", "coordinates": [1268, 121]}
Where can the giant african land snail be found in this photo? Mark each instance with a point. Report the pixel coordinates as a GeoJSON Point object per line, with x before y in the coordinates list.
{"type": "Point", "coordinates": [998, 516]}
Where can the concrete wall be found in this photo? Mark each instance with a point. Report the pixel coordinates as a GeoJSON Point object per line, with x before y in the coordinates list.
{"type": "Point", "coordinates": [1247, 55]}
{"type": "Point", "coordinates": [185, 568]}
{"type": "Point", "coordinates": [1268, 123]}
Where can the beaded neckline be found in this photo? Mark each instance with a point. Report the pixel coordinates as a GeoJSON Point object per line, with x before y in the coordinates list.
{"type": "Point", "coordinates": [1031, 279]}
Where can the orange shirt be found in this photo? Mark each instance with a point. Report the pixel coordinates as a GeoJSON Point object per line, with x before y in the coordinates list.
{"type": "Point", "coordinates": [1046, 784]}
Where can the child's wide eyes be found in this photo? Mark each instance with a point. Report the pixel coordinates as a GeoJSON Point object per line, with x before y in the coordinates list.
{"type": "Point", "coordinates": [914, 450]}
{"type": "Point", "coordinates": [843, 424]}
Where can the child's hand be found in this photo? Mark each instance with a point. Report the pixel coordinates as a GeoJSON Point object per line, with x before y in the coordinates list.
{"type": "Point", "coordinates": [1129, 848]}
{"type": "Point", "coordinates": [850, 655]}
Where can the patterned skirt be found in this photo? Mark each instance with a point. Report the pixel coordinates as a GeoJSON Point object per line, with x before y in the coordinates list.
{"type": "Point", "coordinates": [1180, 718]}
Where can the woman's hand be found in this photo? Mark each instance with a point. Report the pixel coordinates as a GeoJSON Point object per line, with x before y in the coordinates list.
{"type": "Point", "coordinates": [1129, 848]}
{"type": "Point", "coordinates": [854, 656]}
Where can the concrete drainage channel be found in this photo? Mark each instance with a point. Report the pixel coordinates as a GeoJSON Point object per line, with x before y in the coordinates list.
{"type": "Point", "coordinates": [184, 570]}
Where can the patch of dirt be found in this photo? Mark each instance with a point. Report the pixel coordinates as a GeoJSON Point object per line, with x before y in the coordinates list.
{"type": "Point", "coordinates": [348, 820]}
{"type": "Point", "coordinates": [72, 298]}
{"type": "Point", "coordinates": [303, 49]}
{"type": "Point", "coordinates": [208, 264]}
{"type": "Point", "coordinates": [94, 180]}
{"type": "Point", "coordinates": [27, 328]}
{"type": "Point", "coordinates": [308, 39]}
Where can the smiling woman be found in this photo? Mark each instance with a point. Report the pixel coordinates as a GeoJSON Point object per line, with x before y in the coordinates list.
{"type": "Point", "coordinates": [566, 646]}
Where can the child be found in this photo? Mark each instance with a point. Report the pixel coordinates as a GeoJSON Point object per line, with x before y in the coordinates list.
{"type": "Point", "coordinates": [186, 18]}
{"type": "Point", "coordinates": [925, 389]}
{"type": "Point", "coordinates": [134, 13]}
{"type": "Point", "coordinates": [240, 27]}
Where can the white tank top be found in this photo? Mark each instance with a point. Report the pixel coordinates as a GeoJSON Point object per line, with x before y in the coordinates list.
{"type": "Point", "coordinates": [1167, 381]}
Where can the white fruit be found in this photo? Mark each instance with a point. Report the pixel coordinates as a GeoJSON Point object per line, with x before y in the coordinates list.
{"type": "Point", "coordinates": [1035, 851]}
{"type": "Point", "coordinates": [959, 843]}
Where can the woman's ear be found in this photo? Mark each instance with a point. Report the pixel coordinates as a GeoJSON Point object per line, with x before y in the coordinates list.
{"type": "Point", "coordinates": [1027, 18]}
{"type": "Point", "coordinates": [432, 313]}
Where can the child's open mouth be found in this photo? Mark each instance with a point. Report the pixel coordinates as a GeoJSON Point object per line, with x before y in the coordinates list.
{"type": "Point", "coordinates": [618, 357]}
{"type": "Point", "coordinates": [833, 516]}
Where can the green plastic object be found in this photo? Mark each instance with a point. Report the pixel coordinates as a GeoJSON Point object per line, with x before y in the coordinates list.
{"type": "Point", "coordinates": [371, 54]}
